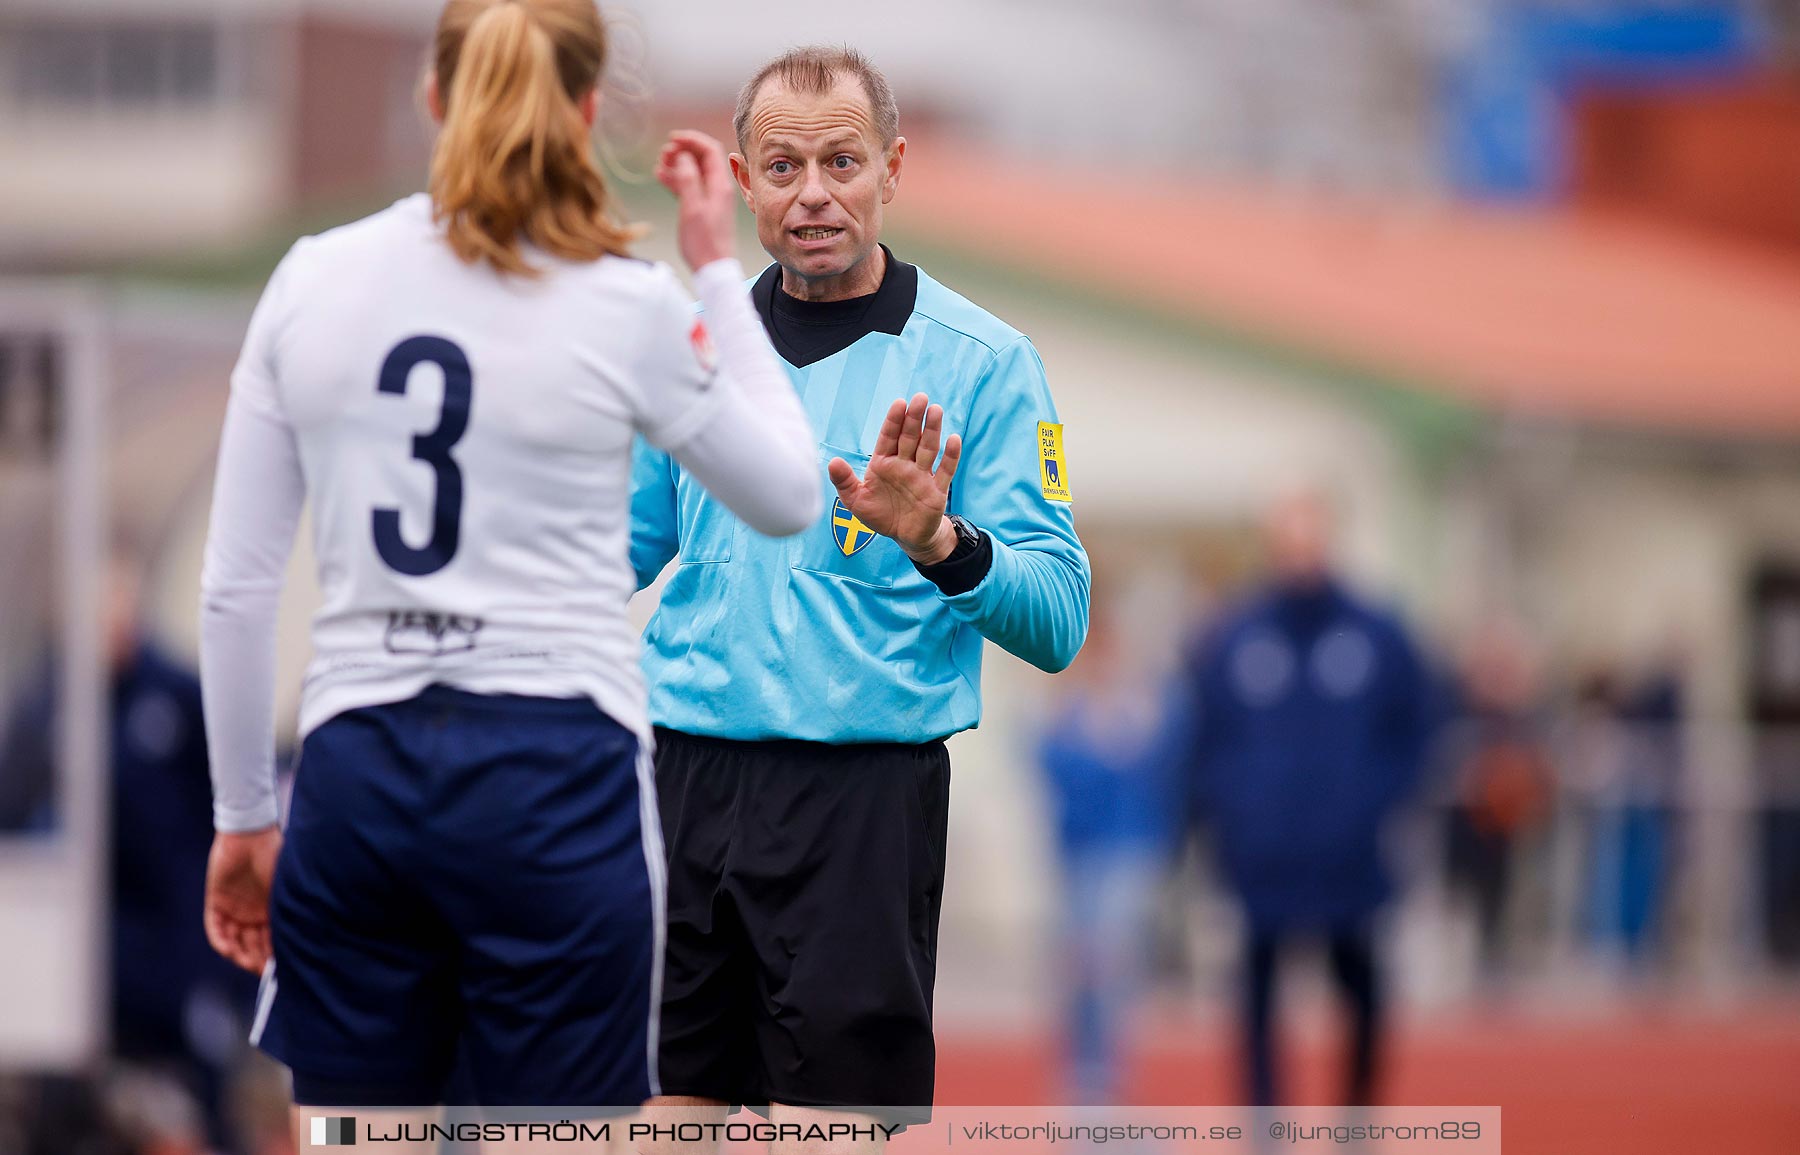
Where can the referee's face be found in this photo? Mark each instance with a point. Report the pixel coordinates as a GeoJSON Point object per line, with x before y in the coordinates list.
{"type": "Point", "coordinates": [815, 173]}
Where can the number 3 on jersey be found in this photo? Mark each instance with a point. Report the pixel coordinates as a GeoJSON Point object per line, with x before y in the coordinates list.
{"type": "Point", "coordinates": [434, 450]}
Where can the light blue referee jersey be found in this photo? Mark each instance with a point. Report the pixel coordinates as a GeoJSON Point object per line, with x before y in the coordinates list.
{"type": "Point", "coordinates": [833, 635]}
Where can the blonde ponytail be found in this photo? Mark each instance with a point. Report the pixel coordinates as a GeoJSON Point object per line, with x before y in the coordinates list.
{"type": "Point", "coordinates": [514, 161]}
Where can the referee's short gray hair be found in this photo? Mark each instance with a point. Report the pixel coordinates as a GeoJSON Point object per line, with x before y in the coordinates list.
{"type": "Point", "coordinates": [813, 70]}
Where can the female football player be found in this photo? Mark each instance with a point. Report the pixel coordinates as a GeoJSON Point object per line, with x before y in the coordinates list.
{"type": "Point", "coordinates": [472, 869]}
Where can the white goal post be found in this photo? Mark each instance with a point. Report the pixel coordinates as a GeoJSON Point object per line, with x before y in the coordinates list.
{"type": "Point", "coordinates": [53, 529]}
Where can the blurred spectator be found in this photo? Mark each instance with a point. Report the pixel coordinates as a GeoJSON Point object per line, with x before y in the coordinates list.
{"type": "Point", "coordinates": [1632, 781]}
{"type": "Point", "coordinates": [1503, 780]}
{"type": "Point", "coordinates": [1773, 647]}
{"type": "Point", "coordinates": [56, 1116]}
{"type": "Point", "coordinates": [1314, 711]}
{"type": "Point", "coordinates": [1110, 783]}
{"type": "Point", "coordinates": [176, 1005]}
{"type": "Point", "coordinates": [178, 1011]}
{"type": "Point", "coordinates": [260, 1096]}
{"type": "Point", "coordinates": [130, 1110]}
{"type": "Point", "coordinates": [1778, 862]}
{"type": "Point", "coordinates": [153, 1114]}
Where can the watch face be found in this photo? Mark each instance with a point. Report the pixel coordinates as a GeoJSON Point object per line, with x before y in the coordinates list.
{"type": "Point", "coordinates": [965, 532]}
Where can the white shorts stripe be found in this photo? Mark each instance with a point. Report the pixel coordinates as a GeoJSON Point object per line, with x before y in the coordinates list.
{"type": "Point", "coordinates": [265, 1002]}
{"type": "Point", "coordinates": [650, 818]}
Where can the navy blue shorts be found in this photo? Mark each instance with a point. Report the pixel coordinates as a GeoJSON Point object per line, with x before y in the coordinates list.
{"type": "Point", "coordinates": [467, 880]}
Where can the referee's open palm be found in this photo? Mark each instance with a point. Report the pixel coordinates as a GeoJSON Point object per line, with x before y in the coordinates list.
{"type": "Point", "coordinates": [900, 495]}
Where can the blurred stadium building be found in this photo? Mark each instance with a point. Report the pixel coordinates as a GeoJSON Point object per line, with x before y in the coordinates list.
{"type": "Point", "coordinates": [1517, 283]}
{"type": "Point", "coordinates": [137, 128]}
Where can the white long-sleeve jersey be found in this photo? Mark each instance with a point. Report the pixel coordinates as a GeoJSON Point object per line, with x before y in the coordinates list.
{"type": "Point", "coordinates": [465, 439]}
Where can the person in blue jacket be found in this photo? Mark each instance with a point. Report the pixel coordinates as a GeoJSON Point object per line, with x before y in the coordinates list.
{"type": "Point", "coordinates": [1104, 751]}
{"type": "Point", "coordinates": [803, 687]}
{"type": "Point", "coordinates": [1313, 713]}
{"type": "Point", "coordinates": [176, 1007]}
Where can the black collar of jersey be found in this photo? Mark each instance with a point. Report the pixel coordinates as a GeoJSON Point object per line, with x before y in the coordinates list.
{"type": "Point", "coordinates": [807, 331]}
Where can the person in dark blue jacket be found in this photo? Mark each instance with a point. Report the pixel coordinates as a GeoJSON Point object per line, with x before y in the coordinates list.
{"type": "Point", "coordinates": [176, 1008]}
{"type": "Point", "coordinates": [1313, 711]}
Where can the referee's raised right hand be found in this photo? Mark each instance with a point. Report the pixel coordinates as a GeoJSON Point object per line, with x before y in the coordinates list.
{"type": "Point", "coordinates": [692, 166]}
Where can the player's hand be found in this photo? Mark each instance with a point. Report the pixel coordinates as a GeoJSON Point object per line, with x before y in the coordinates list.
{"type": "Point", "coordinates": [692, 166]}
{"type": "Point", "coordinates": [238, 876]}
{"type": "Point", "coordinates": [899, 495]}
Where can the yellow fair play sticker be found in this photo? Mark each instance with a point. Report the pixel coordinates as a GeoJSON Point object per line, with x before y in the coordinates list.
{"type": "Point", "coordinates": [1051, 465]}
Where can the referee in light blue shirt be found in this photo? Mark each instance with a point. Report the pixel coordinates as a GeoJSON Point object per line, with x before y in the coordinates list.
{"type": "Point", "coordinates": [803, 687]}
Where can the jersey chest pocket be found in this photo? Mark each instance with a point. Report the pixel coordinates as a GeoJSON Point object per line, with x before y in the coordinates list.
{"type": "Point", "coordinates": [841, 546]}
{"type": "Point", "coordinates": [707, 527]}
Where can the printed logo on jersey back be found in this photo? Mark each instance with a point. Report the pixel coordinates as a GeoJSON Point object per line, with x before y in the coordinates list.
{"type": "Point", "coordinates": [848, 530]}
{"type": "Point", "coordinates": [426, 632]}
{"type": "Point", "coordinates": [1052, 467]}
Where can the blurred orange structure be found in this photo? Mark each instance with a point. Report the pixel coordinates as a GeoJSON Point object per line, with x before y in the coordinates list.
{"type": "Point", "coordinates": [1723, 157]}
{"type": "Point", "coordinates": [1547, 311]}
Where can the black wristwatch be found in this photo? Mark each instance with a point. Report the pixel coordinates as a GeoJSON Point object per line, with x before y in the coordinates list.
{"type": "Point", "coordinates": [967, 564]}
{"type": "Point", "coordinates": [967, 539]}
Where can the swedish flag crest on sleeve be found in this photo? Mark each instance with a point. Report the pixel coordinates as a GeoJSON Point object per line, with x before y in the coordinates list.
{"type": "Point", "coordinates": [847, 530]}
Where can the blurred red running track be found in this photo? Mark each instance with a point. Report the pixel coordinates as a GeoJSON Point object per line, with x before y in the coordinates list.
{"type": "Point", "coordinates": [1674, 1084]}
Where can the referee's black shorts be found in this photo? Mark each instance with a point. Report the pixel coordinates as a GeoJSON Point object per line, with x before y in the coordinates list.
{"type": "Point", "coordinates": [805, 882]}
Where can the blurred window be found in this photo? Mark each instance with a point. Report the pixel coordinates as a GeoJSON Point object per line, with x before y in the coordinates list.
{"type": "Point", "coordinates": [59, 65]}
{"type": "Point", "coordinates": [127, 65]}
{"type": "Point", "coordinates": [134, 66]}
{"type": "Point", "coordinates": [194, 56]}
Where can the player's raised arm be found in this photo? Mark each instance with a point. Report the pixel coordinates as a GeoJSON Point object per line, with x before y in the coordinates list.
{"type": "Point", "coordinates": [745, 436]}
